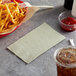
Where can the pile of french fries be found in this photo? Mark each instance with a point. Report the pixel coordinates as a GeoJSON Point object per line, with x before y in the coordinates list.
{"type": "Point", "coordinates": [10, 15]}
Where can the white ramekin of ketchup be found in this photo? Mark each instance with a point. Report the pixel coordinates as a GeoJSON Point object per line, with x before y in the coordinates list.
{"type": "Point", "coordinates": [67, 21]}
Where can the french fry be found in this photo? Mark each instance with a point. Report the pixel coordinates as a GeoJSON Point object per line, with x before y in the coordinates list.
{"type": "Point", "coordinates": [10, 15]}
{"type": "Point", "coordinates": [0, 0]}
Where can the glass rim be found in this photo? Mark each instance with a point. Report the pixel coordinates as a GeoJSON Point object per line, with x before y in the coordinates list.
{"type": "Point", "coordinates": [63, 65]}
{"type": "Point", "coordinates": [60, 19]}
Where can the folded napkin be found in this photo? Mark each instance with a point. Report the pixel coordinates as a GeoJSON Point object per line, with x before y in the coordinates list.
{"type": "Point", "coordinates": [36, 43]}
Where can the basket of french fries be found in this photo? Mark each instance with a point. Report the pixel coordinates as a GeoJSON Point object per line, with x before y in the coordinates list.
{"type": "Point", "coordinates": [12, 15]}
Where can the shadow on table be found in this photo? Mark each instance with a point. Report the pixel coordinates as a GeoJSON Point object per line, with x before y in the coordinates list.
{"type": "Point", "coordinates": [50, 16]}
{"type": "Point", "coordinates": [15, 55]}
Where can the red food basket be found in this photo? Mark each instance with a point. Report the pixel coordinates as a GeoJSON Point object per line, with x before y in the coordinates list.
{"type": "Point", "coordinates": [19, 1]}
{"type": "Point", "coordinates": [7, 33]}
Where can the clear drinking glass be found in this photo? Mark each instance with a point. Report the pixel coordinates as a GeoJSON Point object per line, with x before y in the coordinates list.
{"type": "Point", "coordinates": [63, 69]}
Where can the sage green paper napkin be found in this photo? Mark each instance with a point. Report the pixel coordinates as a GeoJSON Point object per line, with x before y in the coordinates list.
{"type": "Point", "coordinates": [36, 43]}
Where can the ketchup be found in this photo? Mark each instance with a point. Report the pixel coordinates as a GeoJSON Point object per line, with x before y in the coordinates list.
{"type": "Point", "coordinates": [68, 24]}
